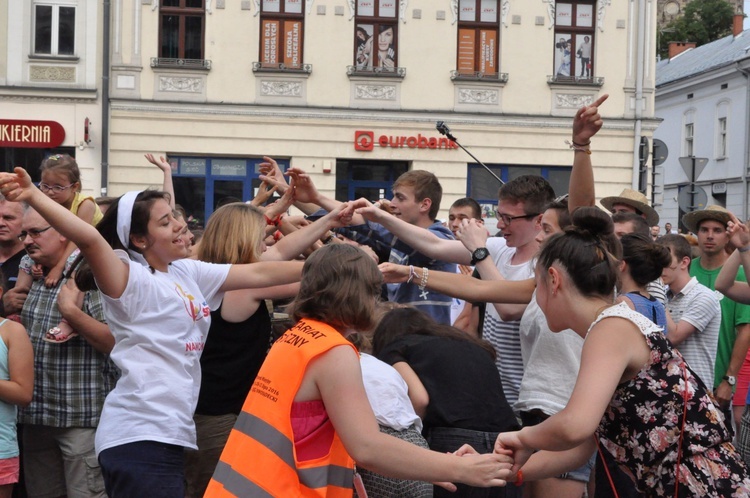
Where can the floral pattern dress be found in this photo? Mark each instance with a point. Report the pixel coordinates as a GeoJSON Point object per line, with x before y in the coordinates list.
{"type": "Point", "coordinates": [643, 423]}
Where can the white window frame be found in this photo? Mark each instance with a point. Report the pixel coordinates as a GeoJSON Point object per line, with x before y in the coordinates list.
{"type": "Point", "coordinates": [689, 139]}
{"type": "Point", "coordinates": [721, 138]}
{"type": "Point", "coordinates": [54, 47]}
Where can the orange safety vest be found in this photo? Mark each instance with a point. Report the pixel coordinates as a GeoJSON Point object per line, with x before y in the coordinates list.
{"type": "Point", "coordinates": [259, 459]}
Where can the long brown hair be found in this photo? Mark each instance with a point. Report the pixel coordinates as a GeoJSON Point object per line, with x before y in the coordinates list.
{"type": "Point", "coordinates": [340, 286]}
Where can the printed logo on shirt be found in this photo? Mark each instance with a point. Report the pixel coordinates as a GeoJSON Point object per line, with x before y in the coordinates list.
{"type": "Point", "coordinates": [195, 311]}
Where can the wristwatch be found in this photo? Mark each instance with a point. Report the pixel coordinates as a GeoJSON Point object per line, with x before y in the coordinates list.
{"type": "Point", "coordinates": [731, 379]}
{"type": "Point", "coordinates": [479, 254]}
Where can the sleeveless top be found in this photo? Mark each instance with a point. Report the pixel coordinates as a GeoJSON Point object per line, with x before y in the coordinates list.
{"type": "Point", "coordinates": [231, 358]}
{"type": "Point", "coordinates": [78, 199]}
{"type": "Point", "coordinates": [649, 307]}
{"type": "Point", "coordinates": [642, 425]}
{"type": "Point", "coordinates": [8, 438]}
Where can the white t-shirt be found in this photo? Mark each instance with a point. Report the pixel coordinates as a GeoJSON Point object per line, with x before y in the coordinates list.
{"type": "Point", "coordinates": [388, 394]}
{"type": "Point", "coordinates": [700, 307]}
{"type": "Point", "coordinates": [160, 324]}
{"type": "Point", "coordinates": [551, 361]}
{"type": "Point", "coordinates": [504, 336]}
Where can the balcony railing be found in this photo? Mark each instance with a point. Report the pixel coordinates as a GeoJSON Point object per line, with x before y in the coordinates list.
{"type": "Point", "coordinates": [264, 67]}
{"type": "Point", "coordinates": [479, 76]}
{"type": "Point", "coordinates": [201, 64]}
{"type": "Point", "coordinates": [380, 72]}
{"type": "Point", "coordinates": [576, 80]}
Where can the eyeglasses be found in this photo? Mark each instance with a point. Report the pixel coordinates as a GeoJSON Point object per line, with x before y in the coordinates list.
{"type": "Point", "coordinates": [34, 233]}
{"type": "Point", "coordinates": [507, 219]}
{"type": "Point", "coordinates": [56, 188]}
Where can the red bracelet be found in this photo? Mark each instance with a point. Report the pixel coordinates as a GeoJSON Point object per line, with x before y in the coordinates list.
{"type": "Point", "coordinates": [519, 478]}
{"type": "Point", "coordinates": [275, 221]}
{"type": "Point", "coordinates": [277, 235]}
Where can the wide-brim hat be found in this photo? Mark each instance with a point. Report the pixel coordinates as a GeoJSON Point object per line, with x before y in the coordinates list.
{"type": "Point", "coordinates": [635, 199]}
{"type": "Point", "coordinates": [713, 212]}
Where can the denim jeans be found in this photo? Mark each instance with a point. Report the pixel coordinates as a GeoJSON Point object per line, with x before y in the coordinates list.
{"type": "Point", "coordinates": [446, 439]}
{"type": "Point", "coordinates": [144, 468]}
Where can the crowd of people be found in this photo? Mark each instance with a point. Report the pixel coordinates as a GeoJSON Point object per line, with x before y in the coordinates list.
{"type": "Point", "coordinates": [576, 353]}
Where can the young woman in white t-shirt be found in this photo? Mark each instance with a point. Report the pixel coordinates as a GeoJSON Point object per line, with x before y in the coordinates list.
{"type": "Point", "coordinates": [158, 307]}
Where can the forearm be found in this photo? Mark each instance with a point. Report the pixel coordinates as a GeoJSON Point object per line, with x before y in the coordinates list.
{"type": "Point", "coordinates": [507, 311]}
{"type": "Point", "coordinates": [424, 241]}
{"type": "Point", "coordinates": [262, 274]}
{"type": "Point", "coordinates": [15, 393]}
{"type": "Point", "coordinates": [739, 351]}
{"type": "Point", "coordinates": [726, 277]}
{"type": "Point", "coordinates": [96, 333]}
{"type": "Point", "coordinates": [546, 464]}
{"type": "Point", "coordinates": [297, 241]}
{"type": "Point", "coordinates": [581, 187]}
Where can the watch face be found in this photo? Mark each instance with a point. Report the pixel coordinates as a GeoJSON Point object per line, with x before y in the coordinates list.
{"type": "Point", "coordinates": [481, 253]}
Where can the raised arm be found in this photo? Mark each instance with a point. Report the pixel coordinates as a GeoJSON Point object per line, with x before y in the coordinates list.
{"type": "Point", "coordinates": [739, 234]}
{"type": "Point", "coordinates": [166, 169]}
{"type": "Point", "coordinates": [418, 238]}
{"type": "Point", "coordinates": [464, 286]}
{"type": "Point", "coordinates": [111, 274]}
{"type": "Point", "coordinates": [586, 124]}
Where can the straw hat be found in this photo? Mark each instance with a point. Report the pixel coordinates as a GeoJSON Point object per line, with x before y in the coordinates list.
{"type": "Point", "coordinates": [713, 212]}
{"type": "Point", "coordinates": [635, 199]}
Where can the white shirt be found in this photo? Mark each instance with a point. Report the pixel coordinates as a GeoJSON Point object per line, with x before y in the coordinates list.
{"type": "Point", "coordinates": [160, 325]}
{"type": "Point", "coordinates": [388, 394]}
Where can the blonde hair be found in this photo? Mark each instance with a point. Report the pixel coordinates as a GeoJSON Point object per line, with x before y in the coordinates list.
{"type": "Point", "coordinates": [233, 234]}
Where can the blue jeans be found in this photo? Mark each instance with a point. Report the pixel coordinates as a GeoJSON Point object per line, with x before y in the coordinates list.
{"type": "Point", "coordinates": [144, 468]}
{"type": "Point", "coordinates": [446, 439]}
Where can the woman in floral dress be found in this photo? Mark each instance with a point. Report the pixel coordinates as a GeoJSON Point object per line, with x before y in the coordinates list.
{"type": "Point", "coordinates": [635, 396]}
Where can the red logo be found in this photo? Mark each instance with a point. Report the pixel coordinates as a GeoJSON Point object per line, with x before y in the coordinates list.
{"type": "Point", "coordinates": [364, 140]}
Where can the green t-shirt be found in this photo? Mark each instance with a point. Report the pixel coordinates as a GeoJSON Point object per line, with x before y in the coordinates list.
{"type": "Point", "coordinates": [733, 314]}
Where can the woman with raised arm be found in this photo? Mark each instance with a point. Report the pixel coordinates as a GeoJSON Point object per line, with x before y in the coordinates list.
{"type": "Point", "coordinates": [634, 396]}
{"type": "Point", "coordinates": [158, 307]}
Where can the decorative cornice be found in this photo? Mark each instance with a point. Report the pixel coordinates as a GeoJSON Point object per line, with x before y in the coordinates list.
{"type": "Point", "coordinates": [372, 115]}
{"type": "Point", "coordinates": [478, 96]}
{"type": "Point", "coordinates": [375, 92]}
{"type": "Point", "coordinates": [281, 88]}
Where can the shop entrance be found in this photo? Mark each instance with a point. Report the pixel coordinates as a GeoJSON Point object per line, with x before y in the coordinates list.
{"type": "Point", "coordinates": [369, 179]}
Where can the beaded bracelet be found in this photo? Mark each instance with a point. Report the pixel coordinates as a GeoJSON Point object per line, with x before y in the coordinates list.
{"type": "Point", "coordinates": [578, 147]}
{"type": "Point", "coordinates": [423, 283]}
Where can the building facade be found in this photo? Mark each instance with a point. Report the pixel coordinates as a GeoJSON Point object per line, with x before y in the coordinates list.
{"type": "Point", "coordinates": [702, 98]}
{"type": "Point", "coordinates": [351, 90]}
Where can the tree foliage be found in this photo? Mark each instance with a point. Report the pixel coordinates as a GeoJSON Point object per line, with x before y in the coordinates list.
{"type": "Point", "coordinates": [702, 21]}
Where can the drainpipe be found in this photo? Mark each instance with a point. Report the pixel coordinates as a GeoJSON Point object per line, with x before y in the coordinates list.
{"type": "Point", "coordinates": [639, 76]}
{"type": "Point", "coordinates": [106, 15]}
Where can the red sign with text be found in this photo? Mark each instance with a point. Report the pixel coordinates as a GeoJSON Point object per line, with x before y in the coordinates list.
{"type": "Point", "coordinates": [31, 134]}
{"type": "Point", "coordinates": [365, 140]}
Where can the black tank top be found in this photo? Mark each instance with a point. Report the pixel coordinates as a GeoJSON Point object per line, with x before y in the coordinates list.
{"type": "Point", "coordinates": [231, 358]}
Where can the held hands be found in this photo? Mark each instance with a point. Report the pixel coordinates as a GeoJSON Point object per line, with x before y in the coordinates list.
{"type": "Point", "coordinates": [587, 121]}
{"type": "Point", "coordinates": [472, 234]}
{"type": "Point", "coordinates": [270, 170]}
{"type": "Point", "coordinates": [509, 443]}
{"type": "Point", "coordinates": [393, 273]}
{"type": "Point", "coordinates": [491, 469]}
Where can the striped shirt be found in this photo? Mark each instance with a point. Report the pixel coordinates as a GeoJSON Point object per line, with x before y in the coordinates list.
{"type": "Point", "coordinates": [71, 379]}
{"type": "Point", "coordinates": [700, 307]}
{"type": "Point", "coordinates": [505, 336]}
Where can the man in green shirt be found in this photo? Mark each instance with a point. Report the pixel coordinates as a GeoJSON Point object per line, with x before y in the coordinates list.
{"type": "Point", "coordinates": [710, 225]}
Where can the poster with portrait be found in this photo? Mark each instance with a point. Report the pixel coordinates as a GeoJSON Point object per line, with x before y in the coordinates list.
{"type": "Point", "coordinates": [563, 47]}
{"type": "Point", "coordinates": [584, 56]}
{"type": "Point", "coordinates": [363, 45]}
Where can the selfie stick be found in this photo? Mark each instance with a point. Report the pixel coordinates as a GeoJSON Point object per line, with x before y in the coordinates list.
{"type": "Point", "coordinates": [444, 130]}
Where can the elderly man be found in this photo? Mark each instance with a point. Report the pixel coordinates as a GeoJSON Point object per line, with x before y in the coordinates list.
{"type": "Point", "coordinates": [11, 252]}
{"type": "Point", "coordinates": [71, 378]}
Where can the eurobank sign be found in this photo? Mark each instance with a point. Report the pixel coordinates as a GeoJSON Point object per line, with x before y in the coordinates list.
{"type": "Point", "coordinates": [365, 140]}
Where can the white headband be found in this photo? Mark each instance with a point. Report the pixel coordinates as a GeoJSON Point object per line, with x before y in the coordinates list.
{"type": "Point", "coordinates": [124, 218]}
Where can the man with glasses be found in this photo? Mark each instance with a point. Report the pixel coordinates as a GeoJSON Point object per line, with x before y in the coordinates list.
{"type": "Point", "coordinates": [71, 379]}
{"type": "Point", "coordinates": [694, 311]}
{"type": "Point", "coordinates": [521, 202]}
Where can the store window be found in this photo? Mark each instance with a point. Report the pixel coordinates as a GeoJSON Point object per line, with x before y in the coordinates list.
{"type": "Point", "coordinates": [282, 25]}
{"type": "Point", "coordinates": [483, 187]}
{"type": "Point", "coordinates": [31, 159]}
{"type": "Point", "coordinates": [376, 36]}
{"type": "Point", "coordinates": [369, 179]}
{"type": "Point", "coordinates": [478, 38]}
{"type": "Point", "coordinates": [181, 30]}
{"type": "Point", "coordinates": [574, 41]}
{"type": "Point", "coordinates": [202, 184]}
{"type": "Point", "coordinates": [54, 28]}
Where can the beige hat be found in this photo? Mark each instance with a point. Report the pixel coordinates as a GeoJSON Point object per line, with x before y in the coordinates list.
{"type": "Point", "coordinates": [713, 212]}
{"type": "Point", "coordinates": [635, 199]}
